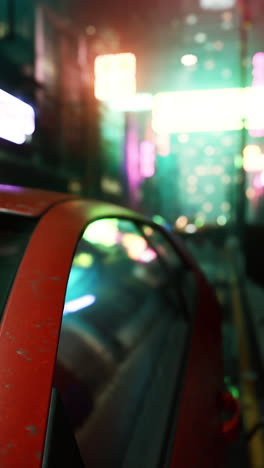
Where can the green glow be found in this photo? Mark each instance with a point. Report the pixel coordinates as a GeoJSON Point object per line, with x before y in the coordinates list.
{"type": "Point", "coordinates": [199, 222]}
{"type": "Point", "coordinates": [238, 161]}
{"type": "Point", "coordinates": [103, 231]}
{"type": "Point", "coordinates": [234, 391]}
{"type": "Point", "coordinates": [83, 260]}
{"type": "Point", "coordinates": [159, 219]}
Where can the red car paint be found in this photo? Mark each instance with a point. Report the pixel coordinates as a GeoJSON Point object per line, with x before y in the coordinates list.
{"type": "Point", "coordinates": [31, 326]}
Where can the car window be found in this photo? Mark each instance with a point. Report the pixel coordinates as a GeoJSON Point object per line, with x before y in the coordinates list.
{"type": "Point", "coordinates": [120, 320]}
{"type": "Point", "coordinates": [15, 232]}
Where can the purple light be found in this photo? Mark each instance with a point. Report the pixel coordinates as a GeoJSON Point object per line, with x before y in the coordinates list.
{"type": "Point", "coordinates": [11, 188]}
{"type": "Point", "coordinates": [78, 304]}
{"type": "Point", "coordinates": [132, 162]}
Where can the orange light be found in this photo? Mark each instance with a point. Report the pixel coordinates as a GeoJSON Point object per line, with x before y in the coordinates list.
{"type": "Point", "coordinates": [115, 76]}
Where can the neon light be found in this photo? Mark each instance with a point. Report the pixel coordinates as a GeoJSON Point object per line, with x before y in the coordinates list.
{"type": "Point", "coordinates": [216, 4]}
{"type": "Point", "coordinates": [78, 304]}
{"type": "Point", "coordinates": [234, 391]}
{"type": "Point", "coordinates": [253, 163]}
{"type": "Point", "coordinates": [258, 69]}
{"type": "Point", "coordinates": [199, 221]}
{"type": "Point", "coordinates": [115, 76]}
{"type": "Point", "coordinates": [148, 256]}
{"type": "Point", "coordinates": [159, 220]}
{"type": "Point", "coordinates": [211, 110]}
{"type": "Point", "coordinates": [103, 231]}
{"type": "Point", "coordinates": [253, 159]}
{"type": "Point", "coordinates": [254, 110]}
{"type": "Point", "coordinates": [221, 220]}
{"type": "Point", "coordinates": [189, 60]}
{"type": "Point", "coordinates": [134, 244]}
{"type": "Point", "coordinates": [17, 119]}
{"type": "Point", "coordinates": [134, 103]}
{"type": "Point", "coordinates": [137, 248]}
{"type": "Point", "coordinates": [147, 159]}
{"type": "Point", "coordinates": [132, 163]}
{"type": "Point", "coordinates": [190, 228]}
{"type": "Point", "coordinates": [181, 222]}
{"type": "Point", "coordinates": [83, 260]}
{"type": "Point", "coordinates": [257, 182]}
{"type": "Point", "coordinates": [198, 111]}
{"type": "Point", "coordinates": [256, 101]}
{"type": "Point", "coordinates": [11, 188]}
{"type": "Point", "coordinates": [162, 141]}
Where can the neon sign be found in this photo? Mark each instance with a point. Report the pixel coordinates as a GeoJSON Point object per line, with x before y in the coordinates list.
{"type": "Point", "coordinates": [115, 76]}
{"type": "Point", "coordinates": [216, 4]}
{"type": "Point", "coordinates": [17, 119]}
{"type": "Point", "coordinates": [212, 110]}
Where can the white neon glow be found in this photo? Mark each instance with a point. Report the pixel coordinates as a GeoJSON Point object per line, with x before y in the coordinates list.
{"type": "Point", "coordinates": [78, 304]}
{"type": "Point", "coordinates": [17, 119]}
{"type": "Point", "coordinates": [216, 4]}
{"type": "Point", "coordinates": [254, 163]}
{"type": "Point", "coordinates": [210, 110]}
{"type": "Point", "coordinates": [134, 103]}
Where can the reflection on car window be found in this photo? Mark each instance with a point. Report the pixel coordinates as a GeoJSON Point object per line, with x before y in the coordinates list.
{"type": "Point", "coordinates": [163, 246]}
{"type": "Point", "coordinates": [15, 232]}
{"type": "Point", "coordinates": [116, 308]}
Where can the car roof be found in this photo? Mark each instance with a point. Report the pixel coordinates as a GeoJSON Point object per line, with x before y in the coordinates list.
{"type": "Point", "coordinates": [29, 201]}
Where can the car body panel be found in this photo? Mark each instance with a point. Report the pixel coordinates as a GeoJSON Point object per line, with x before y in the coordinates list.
{"type": "Point", "coordinates": [30, 333]}
{"type": "Point", "coordinates": [28, 202]}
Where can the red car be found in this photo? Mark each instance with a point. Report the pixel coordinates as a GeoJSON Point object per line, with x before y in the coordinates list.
{"type": "Point", "coordinates": [110, 343]}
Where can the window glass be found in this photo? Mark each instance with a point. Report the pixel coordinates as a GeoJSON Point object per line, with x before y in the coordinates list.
{"type": "Point", "coordinates": [15, 232]}
{"type": "Point", "coordinates": [118, 314]}
{"type": "Point", "coordinates": [163, 246]}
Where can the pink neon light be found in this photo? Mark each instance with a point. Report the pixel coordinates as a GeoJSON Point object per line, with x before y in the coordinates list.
{"type": "Point", "coordinates": [258, 80]}
{"type": "Point", "coordinates": [17, 119]}
{"type": "Point", "coordinates": [257, 182]}
{"type": "Point", "coordinates": [147, 159]}
{"type": "Point", "coordinates": [132, 163]}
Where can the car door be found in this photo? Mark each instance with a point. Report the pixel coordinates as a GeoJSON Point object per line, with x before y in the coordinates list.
{"type": "Point", "coordinates": [122, 344]}
{"type": "Point", "coordinates": [138, 367]}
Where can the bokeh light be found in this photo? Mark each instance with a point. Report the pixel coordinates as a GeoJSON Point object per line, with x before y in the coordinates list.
{"type": "Point", "coordinates": [189, 60]}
